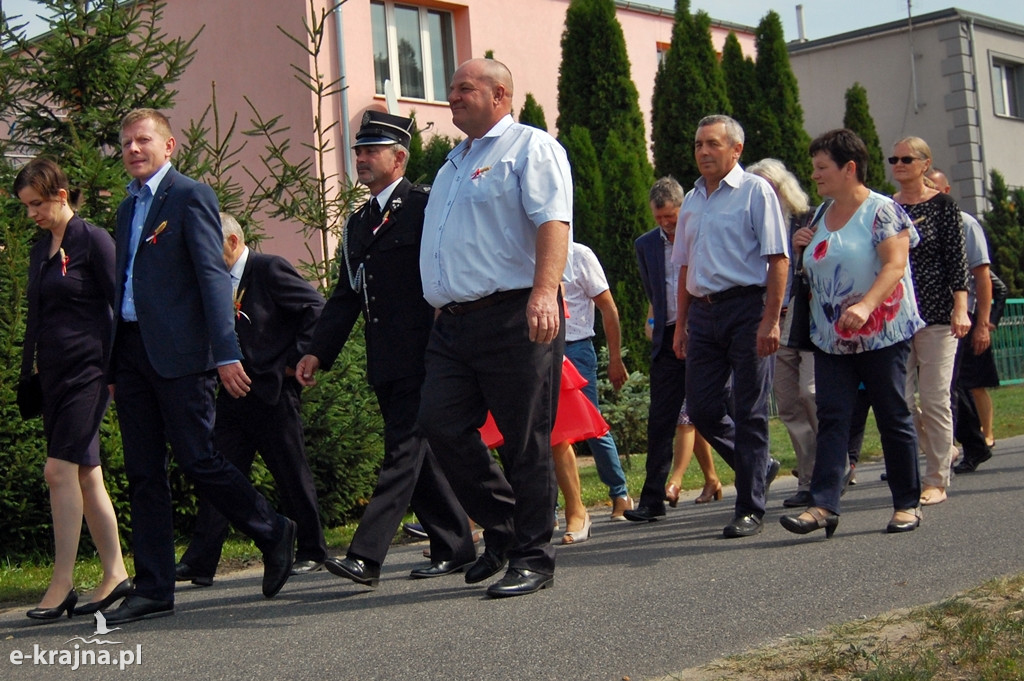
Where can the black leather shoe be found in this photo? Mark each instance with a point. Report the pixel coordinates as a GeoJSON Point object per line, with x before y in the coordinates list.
{"type": "Point", "coordinates": [356, 569]}
{"type": "Point", "coordinates": [137, 607]}
{"type": "Point", "coordinates": [487, 565]}
{"type": "Point", "coordinates": [122, 590]}
{"type": "Point", "coordinates": [801, 499]}
{"type": "Point", "coordinates": [743, 526]}
{"type": "Point", "coordinates": [277, 561]}
{"type": "Point", "coordinates": [970, 464]}
{"type": "Point", "coordinates": [304, 567]}
{"type": "Point", "coordinates": [183, 572]}
{"type": "Point", "coordinates": [519, 582]}
{"type": "Point", "coordinates": [644, 514]}
{"type": "Point", "coordinates": [773, 471]}
{"type": "Point", "coordinates": [439, 568]}
{"type": "Point", "coordinates": [54, 613]}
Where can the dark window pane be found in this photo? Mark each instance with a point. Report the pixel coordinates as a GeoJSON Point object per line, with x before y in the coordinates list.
{"type": "Point", "coordinates": [410, 52]}
{"type": "Point", "coordinates": [381, 63]}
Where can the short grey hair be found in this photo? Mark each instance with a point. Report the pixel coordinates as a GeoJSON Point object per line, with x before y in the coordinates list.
{"type": "Point", "coordinates": [733, 129]}
{"type": "Point", "coordinates": [229, 226]}
{"type": "Point", "coordinates": [666, 191]}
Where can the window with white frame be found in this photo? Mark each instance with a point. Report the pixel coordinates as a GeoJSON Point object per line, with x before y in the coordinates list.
{"type": "Point", "coordinates": [1008, 87]}
{"type": "Point", "coordinates": [414, 47]}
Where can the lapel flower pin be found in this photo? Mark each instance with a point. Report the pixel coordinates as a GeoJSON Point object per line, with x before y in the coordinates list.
{"type": "Point", "coordinates": [238, 306]}
{"type": "Point", "coordinates": [64, 261]}
{"type": "Point", "coordinates": [160, 228]}
{"type": "Point", "coordinates": [383, 221]}
{"type": "Point", "coordinates": [479, 172]}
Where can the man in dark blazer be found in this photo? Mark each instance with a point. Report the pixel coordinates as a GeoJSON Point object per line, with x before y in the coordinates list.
{"type": "Point", "coordinates": [380, 276]}
{"type": "Point", "coordinates": [275, 313]}
{"type": "Point", "coordinates": [174, 334]}
{"type": "Point", "coordinates": [668, 373]}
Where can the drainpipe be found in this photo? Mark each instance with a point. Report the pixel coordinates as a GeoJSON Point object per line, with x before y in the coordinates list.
{"type": "Point", "coordinates": [345, 127]}
{"type": "Point", "coordinates": [977, 108]}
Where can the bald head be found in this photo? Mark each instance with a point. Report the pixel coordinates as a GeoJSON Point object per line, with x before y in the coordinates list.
{"type": "Point", "coordinates": [480, 95]}
{"type": "Point", "coordinates": [939, 179]}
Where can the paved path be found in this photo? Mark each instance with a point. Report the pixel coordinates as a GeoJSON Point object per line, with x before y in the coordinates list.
{"type": "Point", "coordinates": [637, 601]}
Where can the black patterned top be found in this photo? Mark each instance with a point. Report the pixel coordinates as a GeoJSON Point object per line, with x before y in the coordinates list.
{"type": "Point", "coordinates": [939, 263]}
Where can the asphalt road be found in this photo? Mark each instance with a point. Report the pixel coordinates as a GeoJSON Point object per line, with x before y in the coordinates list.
{"type": "Point", "coordinates": [640, 601]}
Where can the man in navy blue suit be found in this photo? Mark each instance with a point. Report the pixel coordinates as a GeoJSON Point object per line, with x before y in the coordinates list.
{"type": "Point", "coordinates": [174, 335]}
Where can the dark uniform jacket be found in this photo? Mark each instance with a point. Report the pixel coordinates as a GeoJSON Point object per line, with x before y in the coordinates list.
{"type": "Point", "coordinates": [386, 268]}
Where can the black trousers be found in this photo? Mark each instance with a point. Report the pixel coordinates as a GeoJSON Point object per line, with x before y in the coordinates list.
{"type": "Point", "coordinates": [245, 426]}
{"type": "Point", "coordinates": [668, 390]}
{"type": "Point", "coordinates": [154, 411]}
{"type": "Point", "coordinates": [484, 360]}
{"type": "Point", "coordinates": [410, 474]}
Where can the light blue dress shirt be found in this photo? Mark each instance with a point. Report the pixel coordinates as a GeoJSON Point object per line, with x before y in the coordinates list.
{"type": "Point", "coordinates": [487, 201]}
{"type": "Point", "coordinates": [143, 193]}
{"type": "Point", "coordinates": [977, 255]}
{"type": "Point", "coordinates": [725, 239]}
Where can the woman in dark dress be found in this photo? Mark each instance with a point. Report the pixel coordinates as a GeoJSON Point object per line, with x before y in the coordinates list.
{"type": "Point", "coordinates": [70, 293]}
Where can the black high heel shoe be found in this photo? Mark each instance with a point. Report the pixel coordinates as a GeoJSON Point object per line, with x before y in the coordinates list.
{"type": "Point", "coordinates": [120, 591]}
{"type": "Point", "coordinates": [55, 613]}
{"type": "Point", "coordinates": [820, 518]}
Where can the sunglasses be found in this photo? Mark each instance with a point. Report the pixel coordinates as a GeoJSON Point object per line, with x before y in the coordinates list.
{"type": "Point", "coordinates": [905, 160]}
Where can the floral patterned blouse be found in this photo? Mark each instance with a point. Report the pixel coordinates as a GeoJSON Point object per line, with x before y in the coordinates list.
{"type": "Point", "coordinates": [842, 265]}
{"type": "Point", "coordinates": [939, 263]}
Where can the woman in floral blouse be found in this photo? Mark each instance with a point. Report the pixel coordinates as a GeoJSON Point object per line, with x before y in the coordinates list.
{"type": "Point", "coordinates": [939, 266]}
{"type": "Point", "coordinates": [863, 315]}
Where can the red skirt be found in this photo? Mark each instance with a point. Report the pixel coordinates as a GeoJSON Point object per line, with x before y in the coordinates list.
{"type": "Point", "coordinates": [577, 418]}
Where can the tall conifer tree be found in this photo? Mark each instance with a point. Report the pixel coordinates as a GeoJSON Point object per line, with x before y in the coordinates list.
{"type": "Point", "coordinates": [596, 92]}
{"type": "Point", "coordinates": [689, 85]}
{"type": "Point", "coordinates": [858, 118]}
{"type": "Point", "coordinates": [762, 130]}
{"type": "Point", "coordinates": [532, 113]}
{"type": "Point", "coordinates": [781, 95]}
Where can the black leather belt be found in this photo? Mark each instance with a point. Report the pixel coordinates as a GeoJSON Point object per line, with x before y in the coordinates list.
{"type": "Point", "coordinates": [734, 292]}
{"type": "Point", "coordinates": [479, 304]}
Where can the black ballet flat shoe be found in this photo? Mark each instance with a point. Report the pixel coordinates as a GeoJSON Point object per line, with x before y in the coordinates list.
{"type": "Point", "coordinates": [819, 518]}
{"type": "Point", "coordinates": [67, 604]}
{"type": "Point", "coordinates": [122, 590]}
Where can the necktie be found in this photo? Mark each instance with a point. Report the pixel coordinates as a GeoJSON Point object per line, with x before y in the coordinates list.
{"type": "Point", "coordinates": [374, 217]}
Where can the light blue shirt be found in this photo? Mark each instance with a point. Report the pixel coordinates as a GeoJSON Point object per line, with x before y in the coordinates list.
{"type": "Point", "coordinates": [977, 255]}
{"type": "Point", "coordinates": [589, 281]}
{"type": "Point", "coordinates": [143, 194]}
{"type": "Point", "coordinates": [671, 281]}
{"type": "Point", "coordinates": [487, 201]}
{"type": "Point", "coordinates": [842, 266]}
{"type": "Point", "coordinates": [725, 239]}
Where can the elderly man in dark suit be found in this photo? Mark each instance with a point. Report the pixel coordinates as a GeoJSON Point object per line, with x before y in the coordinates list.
{"type": "Point", "coordinates": [275, 313]}
{"type": "Point", "coordinates": [174, 336]}
{"type": "Point", "coordinates": [380, 276]}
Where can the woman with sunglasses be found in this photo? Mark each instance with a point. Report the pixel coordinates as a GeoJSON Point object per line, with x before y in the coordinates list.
{"type": "Point", "coordinates": [939, 266]}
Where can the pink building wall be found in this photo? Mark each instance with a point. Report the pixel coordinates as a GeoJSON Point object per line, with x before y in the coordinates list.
{"type": "Point", "coordinates": [244, 52]}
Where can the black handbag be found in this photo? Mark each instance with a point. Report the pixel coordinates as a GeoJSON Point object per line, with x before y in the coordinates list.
{"type": "Point", "coordinates": [796, 328]}
{"type": "Point", "coordinates": [30, 397]}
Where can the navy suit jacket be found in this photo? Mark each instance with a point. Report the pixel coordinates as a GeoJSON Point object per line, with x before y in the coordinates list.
{"type": "Point", "coordinates": [398, 318]}
{"type": "Point", "coordinates": [650, 255]}
{"type": "Point", "coordinates": [182, 289]}
{"type": "Point", "coordinates": [277, 313]}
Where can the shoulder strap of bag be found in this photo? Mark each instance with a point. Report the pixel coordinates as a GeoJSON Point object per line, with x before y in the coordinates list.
{"type": "Point", "coordinates": [814, 223]}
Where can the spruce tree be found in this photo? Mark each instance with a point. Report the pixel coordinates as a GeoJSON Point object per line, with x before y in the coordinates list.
{"type": "Point", "coordinates": [1004, 226]}
{"type": "Point", "coordinates": [532, 113]}
{"type": "Point", "coordinates": [689, 85]}
{"type": "Point", "coordinates": [858, 118]}
{"type": "Point", "coordinates": [781, 96]}
{"type": "Point", "coordinates": [759, 125]}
